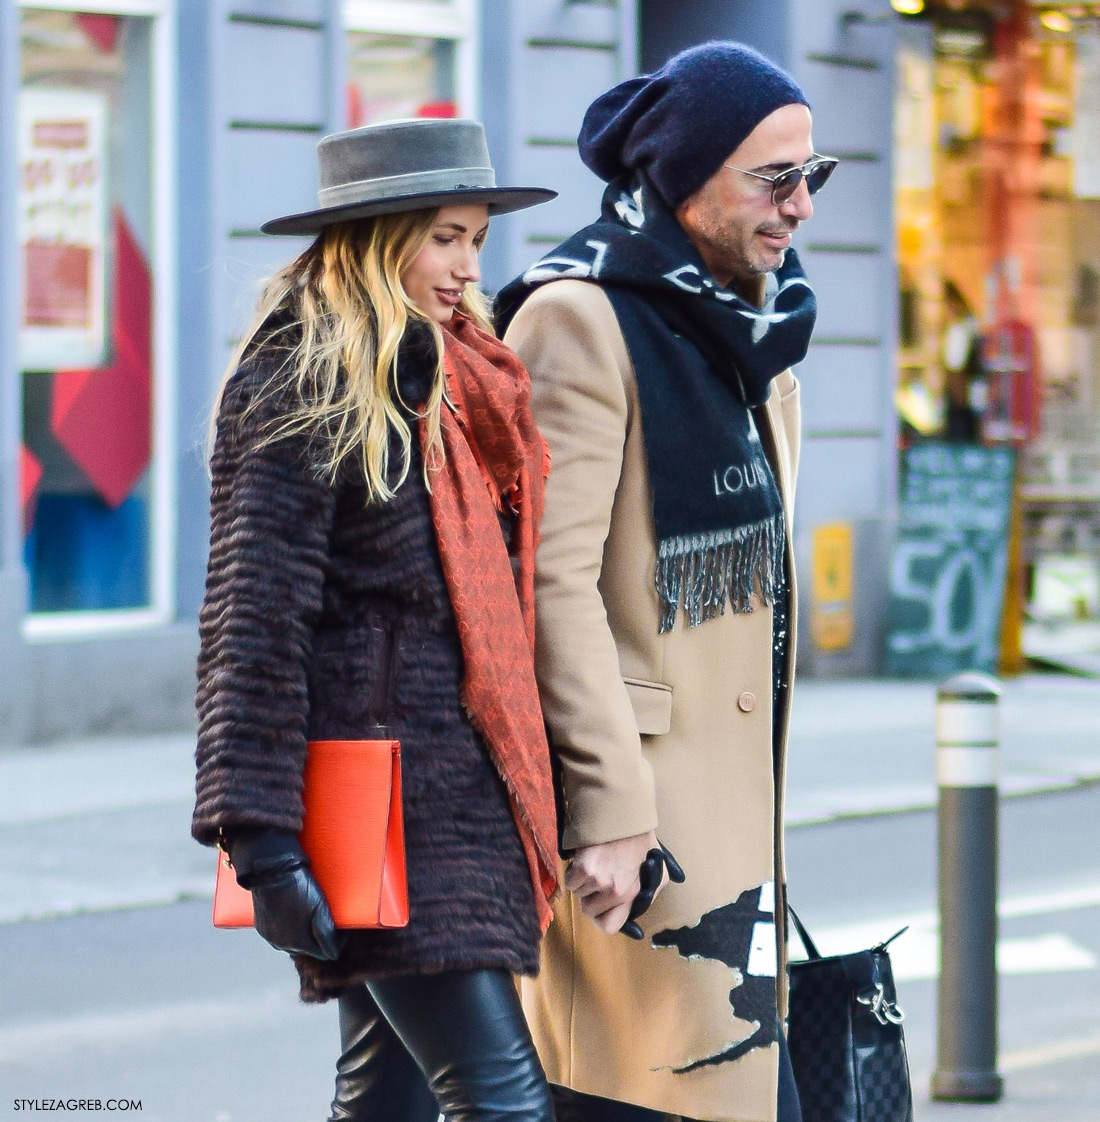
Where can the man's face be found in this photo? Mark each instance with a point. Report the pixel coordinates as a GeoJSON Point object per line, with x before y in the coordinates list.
{"type": "Point", "coordinates": [731, 220]}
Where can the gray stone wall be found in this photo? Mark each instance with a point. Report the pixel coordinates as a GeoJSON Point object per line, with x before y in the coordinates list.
{"type": "Point", "coordinates": [543, 62]}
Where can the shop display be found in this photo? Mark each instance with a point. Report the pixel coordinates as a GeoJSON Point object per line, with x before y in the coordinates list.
{"type": "Point", "coordinates": [998, 241]}
{"type": "Point", "coordinates": [86, 339]}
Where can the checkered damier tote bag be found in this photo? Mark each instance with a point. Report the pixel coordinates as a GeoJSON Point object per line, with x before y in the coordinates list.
{"type": "Point", "coordinates": [844, 1033]}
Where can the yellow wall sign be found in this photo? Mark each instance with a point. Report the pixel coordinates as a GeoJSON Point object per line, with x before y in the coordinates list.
{"type": "Point", "coordinates": [831, 616]}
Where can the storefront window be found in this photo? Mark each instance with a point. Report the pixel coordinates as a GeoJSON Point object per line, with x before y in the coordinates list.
{"type": "Point", "coordinates": [87, 247]}
{"type": "Point", "coordinates": [997, 172]}
{"type": "Point", "coordinates": [409, 58]}
{"type": "Point", "coordinates": [998, 207]}
{"type": "Point", "coordinates": [393, 76]}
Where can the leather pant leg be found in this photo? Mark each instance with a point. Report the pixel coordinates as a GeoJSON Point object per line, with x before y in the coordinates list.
{"type": "Point", "coordinates": [466, 1031]}
{"type": "Point", "coordinates": [376, 1078]}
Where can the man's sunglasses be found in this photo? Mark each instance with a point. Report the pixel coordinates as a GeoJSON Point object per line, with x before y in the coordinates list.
{"type": "Point", "coordinates": [784, 185]}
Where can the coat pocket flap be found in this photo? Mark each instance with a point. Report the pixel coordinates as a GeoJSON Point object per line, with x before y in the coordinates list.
{"type": "Point", "coordinates": [652, 702]}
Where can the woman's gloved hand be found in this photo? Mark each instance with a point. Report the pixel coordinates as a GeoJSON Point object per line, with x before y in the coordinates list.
{"type": "Point", "coordinates": [291, 912]}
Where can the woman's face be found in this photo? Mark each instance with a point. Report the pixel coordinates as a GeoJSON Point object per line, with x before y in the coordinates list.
{"type": "Point", "coordinates": [438, 274]}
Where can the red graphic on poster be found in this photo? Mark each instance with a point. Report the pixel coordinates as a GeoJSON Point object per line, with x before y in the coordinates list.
{"type": "Point", "coordinates": [30, 475]}
{"type": "Point", "coordinates": [57, 290]}
{"type": "Point", "coordinates": [438, 109]}
{"type": "Point", "coordinates": [102, 417]}
{"type": "Point", "coordinates": [102, 30]}
{"type": "Point", "coordinates": [356, 113]}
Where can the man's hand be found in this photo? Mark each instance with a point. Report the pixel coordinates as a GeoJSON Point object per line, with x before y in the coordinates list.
{"type": "Point", "coordinates": [605, 878]}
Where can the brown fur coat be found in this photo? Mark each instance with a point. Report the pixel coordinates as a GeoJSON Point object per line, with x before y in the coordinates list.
{"type": "Point", "coordinates": [306, 584]}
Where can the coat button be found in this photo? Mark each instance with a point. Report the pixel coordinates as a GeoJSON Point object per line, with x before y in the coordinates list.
{"type": "Point", "coordinates": [746, 702]}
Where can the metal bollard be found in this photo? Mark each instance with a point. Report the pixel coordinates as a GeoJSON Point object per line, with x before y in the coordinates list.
{"type": "Point", "coordinates": [967, 751]}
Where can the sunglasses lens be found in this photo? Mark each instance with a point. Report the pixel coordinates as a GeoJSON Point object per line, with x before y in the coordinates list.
{"type": "Point", "coordinates": [818, 175]}
{"type": "Point", "coordinates": [785, 185]}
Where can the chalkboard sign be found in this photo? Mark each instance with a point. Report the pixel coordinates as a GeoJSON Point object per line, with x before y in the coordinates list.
{"type": "Point", "coordinates": [947, 580]}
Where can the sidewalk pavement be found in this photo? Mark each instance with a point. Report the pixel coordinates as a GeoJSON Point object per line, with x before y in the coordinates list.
{"type": "Point", "coordinates": [103, 824]}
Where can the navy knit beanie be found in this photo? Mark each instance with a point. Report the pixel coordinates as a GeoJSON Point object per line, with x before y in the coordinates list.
{"type": "Point", "coordinates": [682, 122]}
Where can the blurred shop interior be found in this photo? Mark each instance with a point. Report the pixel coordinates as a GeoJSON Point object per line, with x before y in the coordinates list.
{"type": "Point", "coordinates": [997, 195]}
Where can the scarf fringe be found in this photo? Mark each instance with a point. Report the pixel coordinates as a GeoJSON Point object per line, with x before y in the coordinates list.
{"type": "Point", "coordinates": [705, 572]}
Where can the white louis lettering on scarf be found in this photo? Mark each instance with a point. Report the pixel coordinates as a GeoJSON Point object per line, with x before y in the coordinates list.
{"type": "Point", "coordinates": [677, 277]}
{"type": "Point", "coordinates": [737, 477]}
{"type": "Point", "coordinates": [764, 320]}
{"type": "Point", "coordinates": [630, 209]}
{"type": "Point", "coordinates": [680, 278]}
{"type": "Point", "coordinates": [559, 268]}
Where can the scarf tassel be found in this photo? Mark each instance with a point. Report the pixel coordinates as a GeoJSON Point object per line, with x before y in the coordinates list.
{"type": "Point", "coordinates": [705, 572]}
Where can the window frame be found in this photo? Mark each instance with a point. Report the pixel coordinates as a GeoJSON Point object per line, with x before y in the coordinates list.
{"type": "Point", "coordinates": [161, 608]}
{"type": "Point", "coordinates": [453, 20]}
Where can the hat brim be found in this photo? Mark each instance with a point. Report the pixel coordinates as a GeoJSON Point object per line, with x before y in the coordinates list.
{"type": "Point", "coordinates": [500, 200]}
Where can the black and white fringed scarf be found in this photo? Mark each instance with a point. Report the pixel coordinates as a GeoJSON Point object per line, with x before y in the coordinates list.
{"type": "Point", "coordinates": [704, 358]}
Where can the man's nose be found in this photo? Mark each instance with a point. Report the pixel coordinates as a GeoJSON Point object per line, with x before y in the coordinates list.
{"type": "Point", "coordinates": [799, 205]}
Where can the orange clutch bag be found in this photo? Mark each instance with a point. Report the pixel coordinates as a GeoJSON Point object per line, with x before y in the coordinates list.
{"type": "Point", "coordinates": [353, 833]}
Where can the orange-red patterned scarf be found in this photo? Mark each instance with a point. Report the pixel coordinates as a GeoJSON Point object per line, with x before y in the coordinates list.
{"type": "Point", "coordinates": [497, 460]}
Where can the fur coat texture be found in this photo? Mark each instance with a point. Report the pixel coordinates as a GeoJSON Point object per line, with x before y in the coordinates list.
{"type": "Point", "coordinates": [308, 585]}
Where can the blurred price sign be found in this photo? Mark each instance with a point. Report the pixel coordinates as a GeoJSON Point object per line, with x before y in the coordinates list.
{"type": "Point", "coordinates": [831, 617]}
{"type": "Point", "coordinates": [947, 579]}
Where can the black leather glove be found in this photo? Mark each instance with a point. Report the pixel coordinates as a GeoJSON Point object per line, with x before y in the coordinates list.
{"type": "Point", "coordinates": [291, 912]}
{"type": "Point", "coordinates": [650, 874]}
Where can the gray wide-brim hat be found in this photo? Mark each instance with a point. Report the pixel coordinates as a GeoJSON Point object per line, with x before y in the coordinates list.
{"type": "Point", "coordinates": [396, 166]}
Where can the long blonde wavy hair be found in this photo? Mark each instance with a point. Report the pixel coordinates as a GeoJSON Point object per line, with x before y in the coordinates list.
{"type": "Point", "coordinates": [349, 310]}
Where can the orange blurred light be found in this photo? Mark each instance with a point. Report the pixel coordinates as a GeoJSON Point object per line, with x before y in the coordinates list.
{"type": "Point", "coordinates": [908, 7]}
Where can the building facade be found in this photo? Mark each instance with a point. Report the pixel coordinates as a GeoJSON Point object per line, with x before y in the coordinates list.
{"type": "Point", "coordinates": [142, 143]}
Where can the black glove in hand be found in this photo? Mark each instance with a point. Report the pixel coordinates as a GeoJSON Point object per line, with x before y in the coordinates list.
{"type": "Point", "coordinates": [650, 875]}
{"type": "Point", "coordinates": [290, 909]}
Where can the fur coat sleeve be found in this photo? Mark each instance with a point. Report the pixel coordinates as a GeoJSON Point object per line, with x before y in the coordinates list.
{"type": "Point", "coordinates": [271, 518]}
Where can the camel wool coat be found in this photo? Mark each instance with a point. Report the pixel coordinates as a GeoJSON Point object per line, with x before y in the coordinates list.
{"type": "Point", "coordinates": [670, 732]}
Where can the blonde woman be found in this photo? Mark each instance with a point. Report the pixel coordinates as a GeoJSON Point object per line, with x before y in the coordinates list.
{"type": "Point", "coordinates": [377, 485]}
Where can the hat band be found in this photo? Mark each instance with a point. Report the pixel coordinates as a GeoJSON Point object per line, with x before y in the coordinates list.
{"type": "Point", "coordinates": [413, 183]}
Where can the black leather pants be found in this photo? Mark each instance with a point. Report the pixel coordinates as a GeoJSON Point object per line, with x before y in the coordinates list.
{"type": "Point", "coordinates": [375, 1075]}
{"type": "Point", "coordinates": [456, 1039]}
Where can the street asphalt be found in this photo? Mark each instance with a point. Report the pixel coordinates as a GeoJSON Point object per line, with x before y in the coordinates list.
{"type": "Point", "coordinates": [103, 824]}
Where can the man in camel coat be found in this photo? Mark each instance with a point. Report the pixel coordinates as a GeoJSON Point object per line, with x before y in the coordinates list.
{"type": "Point", "coordinates": [659, 341]}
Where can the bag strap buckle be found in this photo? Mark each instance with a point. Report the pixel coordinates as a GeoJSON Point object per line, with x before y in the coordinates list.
{"type": "Point", "coordinates": [886, 1012]}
